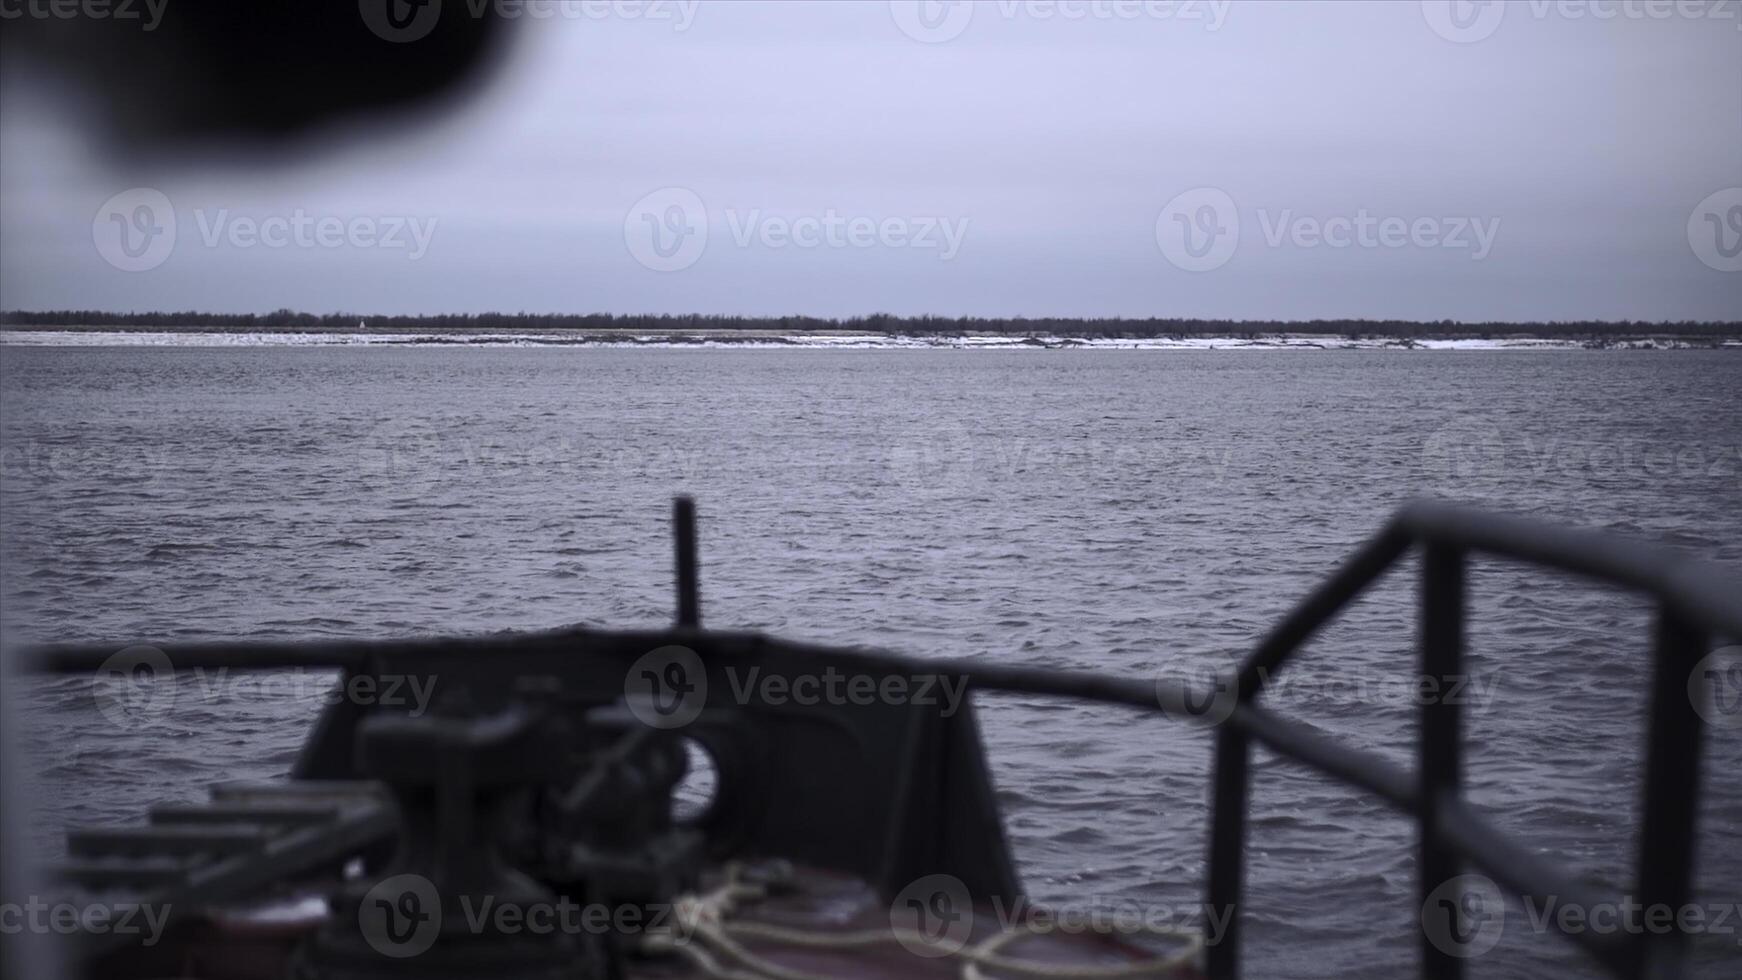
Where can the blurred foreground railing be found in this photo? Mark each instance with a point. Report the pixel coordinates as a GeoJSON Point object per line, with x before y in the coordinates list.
{"type": "Point", "coordinates": [1696, 603]}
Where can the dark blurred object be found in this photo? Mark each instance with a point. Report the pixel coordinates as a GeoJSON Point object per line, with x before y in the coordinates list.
{"type": "Point", "coordinates": [166, 72]}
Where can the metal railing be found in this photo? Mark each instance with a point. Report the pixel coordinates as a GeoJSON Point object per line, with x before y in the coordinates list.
{"type": "Point", "coordinates": [1695, 603]}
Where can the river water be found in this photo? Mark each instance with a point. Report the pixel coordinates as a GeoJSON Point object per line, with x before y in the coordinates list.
{"type": "Point", "coordinates": [1135, 512]}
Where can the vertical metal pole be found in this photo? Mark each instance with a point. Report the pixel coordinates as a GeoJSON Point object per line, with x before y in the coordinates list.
{"type": "Point", "coordinates": [689, 603]}
{"type": "Point", "coordinates": [1441, 741]}
{"type": "Point", "coordinates": [1672, 791]}
{"type": "Point", "coordinates": [1228, 848]}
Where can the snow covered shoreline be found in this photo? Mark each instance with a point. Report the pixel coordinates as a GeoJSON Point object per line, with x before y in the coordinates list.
{"type": "Point", "coordinates": [773, 341]}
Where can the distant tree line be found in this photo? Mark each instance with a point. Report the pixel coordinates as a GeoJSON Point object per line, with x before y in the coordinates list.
{"type": "Point", "coordinates": [884, 323]}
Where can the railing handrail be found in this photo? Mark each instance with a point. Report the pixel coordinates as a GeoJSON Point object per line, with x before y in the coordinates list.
{"type": "Point", "coordinates": [1696, 601]}
{"type": "Point", "coordinates": [1705, 594]}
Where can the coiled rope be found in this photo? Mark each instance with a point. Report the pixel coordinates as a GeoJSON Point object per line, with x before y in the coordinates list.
{"type": "Point", "coordinates": [708, 938]}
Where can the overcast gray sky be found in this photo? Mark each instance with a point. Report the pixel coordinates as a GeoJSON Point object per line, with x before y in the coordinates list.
{"type": "Point", "coordinates": [1105, 157]}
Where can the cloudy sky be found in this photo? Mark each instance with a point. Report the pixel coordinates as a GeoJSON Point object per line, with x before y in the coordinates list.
{"type": "Point", "coordinates": [1428, 161]}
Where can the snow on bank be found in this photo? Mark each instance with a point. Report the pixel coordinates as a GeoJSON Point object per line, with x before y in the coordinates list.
{"type": "Point", "coordinates": [96, 338]}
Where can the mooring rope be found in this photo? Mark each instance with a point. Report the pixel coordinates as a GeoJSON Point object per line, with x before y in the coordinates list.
{"type": "Point", "coordinates": [706, 937]}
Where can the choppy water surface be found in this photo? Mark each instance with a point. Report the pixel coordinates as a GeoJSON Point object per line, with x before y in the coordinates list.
{"type": "Point", "coordinates": [1135, 512]}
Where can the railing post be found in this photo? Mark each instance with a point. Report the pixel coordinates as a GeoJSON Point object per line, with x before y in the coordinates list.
{"type": "Point", "coordinates": [1440, 763]}
{"type": "Point", "coordinates": [1227, 848]}
{"type": "Point", "coordinates": [1672, 787]}
{"type": "Point", "coordinates": [689, 603]}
